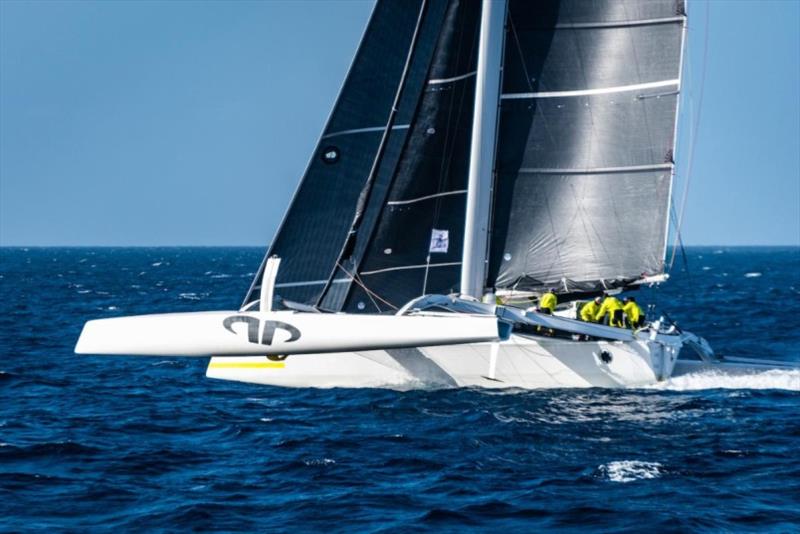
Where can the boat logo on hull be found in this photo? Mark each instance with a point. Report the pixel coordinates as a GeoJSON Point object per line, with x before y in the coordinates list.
{"type": "Point", "coordinates": [253, 328]}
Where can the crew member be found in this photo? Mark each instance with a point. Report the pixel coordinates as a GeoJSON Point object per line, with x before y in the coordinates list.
{"type": "Point", "coordinates": [547, 302]}
{"type": "Point", "coordinates": [634, 315]}
{"type": "Point", "coordinates": [610, 312]}
{"type": "Point", "coordinates": [590, 309]}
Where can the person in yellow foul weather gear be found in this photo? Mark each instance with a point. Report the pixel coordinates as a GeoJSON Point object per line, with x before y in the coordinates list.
{"type": "Point", "coordinates": [589, 310]}
{"type": "Point", "coordinates": [634, 316]}
{"type": "Point", "coordinates": [547, 302]}
{"type": "Point", "coordinates": [613, 308]}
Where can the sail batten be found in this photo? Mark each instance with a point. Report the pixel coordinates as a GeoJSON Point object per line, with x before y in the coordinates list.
{"type": "Point", "coordinates": [595, 91]}
{"type": "Point", "coordinates": [369, 129]}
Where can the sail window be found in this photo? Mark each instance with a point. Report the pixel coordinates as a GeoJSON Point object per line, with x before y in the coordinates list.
{"type": "Point", "coordinates": [330, 154]}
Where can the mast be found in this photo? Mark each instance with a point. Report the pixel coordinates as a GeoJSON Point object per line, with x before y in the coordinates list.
{"type": "Point", "coordinates": [481, 163]}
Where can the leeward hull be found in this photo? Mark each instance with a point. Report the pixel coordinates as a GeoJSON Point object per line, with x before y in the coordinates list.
{"type": "Point", "coordinates": [522, 361]}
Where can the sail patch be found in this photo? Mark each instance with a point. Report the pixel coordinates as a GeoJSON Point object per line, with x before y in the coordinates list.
{"type": "Point", "coordinates": [440, 241]}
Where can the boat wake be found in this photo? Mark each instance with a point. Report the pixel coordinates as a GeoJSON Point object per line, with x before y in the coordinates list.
{"type": "Point", "coordinates": [722, 378]}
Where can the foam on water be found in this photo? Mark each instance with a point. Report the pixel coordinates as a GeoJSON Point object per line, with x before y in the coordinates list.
{"type": "Point", "coordinates": [788, 379]}
{"type": "Point", "coordinates": [630, 470]}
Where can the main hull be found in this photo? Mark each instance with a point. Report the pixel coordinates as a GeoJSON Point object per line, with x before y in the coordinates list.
{"type": "Point", "coordinates": [522, 361]}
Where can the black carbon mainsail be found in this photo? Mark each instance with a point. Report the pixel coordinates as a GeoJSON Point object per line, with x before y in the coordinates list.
{"type": "Point", "coordinates": [583, 157]}
{"type": "Point", "coordinates": [585, 151]}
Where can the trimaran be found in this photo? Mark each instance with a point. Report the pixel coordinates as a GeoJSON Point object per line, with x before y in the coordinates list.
{"type": "Point", "coordinates": [479, 153]}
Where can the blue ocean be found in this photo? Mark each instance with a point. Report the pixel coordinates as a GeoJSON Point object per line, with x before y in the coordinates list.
{"type": "Point", "coordinates": [150, 444]}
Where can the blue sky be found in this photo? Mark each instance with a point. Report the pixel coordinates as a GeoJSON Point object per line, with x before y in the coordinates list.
{"type": "Point", "coordinates": [190, 123]}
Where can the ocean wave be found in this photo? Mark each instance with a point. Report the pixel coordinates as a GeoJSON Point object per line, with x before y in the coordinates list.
{"type": "Point", "coordinates": [148, 444]}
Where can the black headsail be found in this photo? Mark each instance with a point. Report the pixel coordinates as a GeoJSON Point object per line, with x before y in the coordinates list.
{"type": "Point", "coordinates": [311, 235]}
{"type": "Point", "coordinates": [416, 245]}
{"type": "Point", "coordinates": [586, 139]}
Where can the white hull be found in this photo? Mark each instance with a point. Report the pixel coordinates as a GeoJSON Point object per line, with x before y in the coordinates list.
{"type": "Point", "coordinates": [522, 362]}
{"type": "Point", "coordinates": [415, 348]}
{"type": "Point", "coordinates": [280, 332]}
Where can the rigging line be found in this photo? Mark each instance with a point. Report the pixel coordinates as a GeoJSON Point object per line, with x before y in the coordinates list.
{"type": "Point", "coordinates": [679, 243]}
{"type": "Point", "coordinates": [581, 212]}
{"type": "Point", "coordinates": [695, 129]}
{"type": "Point", "coordinates": [528, 81]}
{"type": "Point", "coordinates": [555, 238]}
{"type": "Point", "coordinates": [519, 50]}
{"type": "Point", "coordinates": [367, 290]}
{"type": "Point", "coordinates": [357, 280]}
{"type": "Point", "coordinates": [427, 268]}
{"type": "Point", "coordinates": [363, 198]}
{"type": "Point", "coordinates": [527, 76]}
{"type": "Point", "coordinates": [532, 106]}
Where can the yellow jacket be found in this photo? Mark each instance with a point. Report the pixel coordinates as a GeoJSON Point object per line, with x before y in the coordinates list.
{"type": "Point", "coordinates": [548, 301]}
{"type": "Point", "coordinates": [632, 311]}
{"type": "Point", "coordinates": [609, 306]}
{"type": "Point", "coordinates": [588, 311]}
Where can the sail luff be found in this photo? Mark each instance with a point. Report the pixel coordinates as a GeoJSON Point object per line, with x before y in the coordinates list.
{"type": "Point", "coordinates": [482, 150]}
